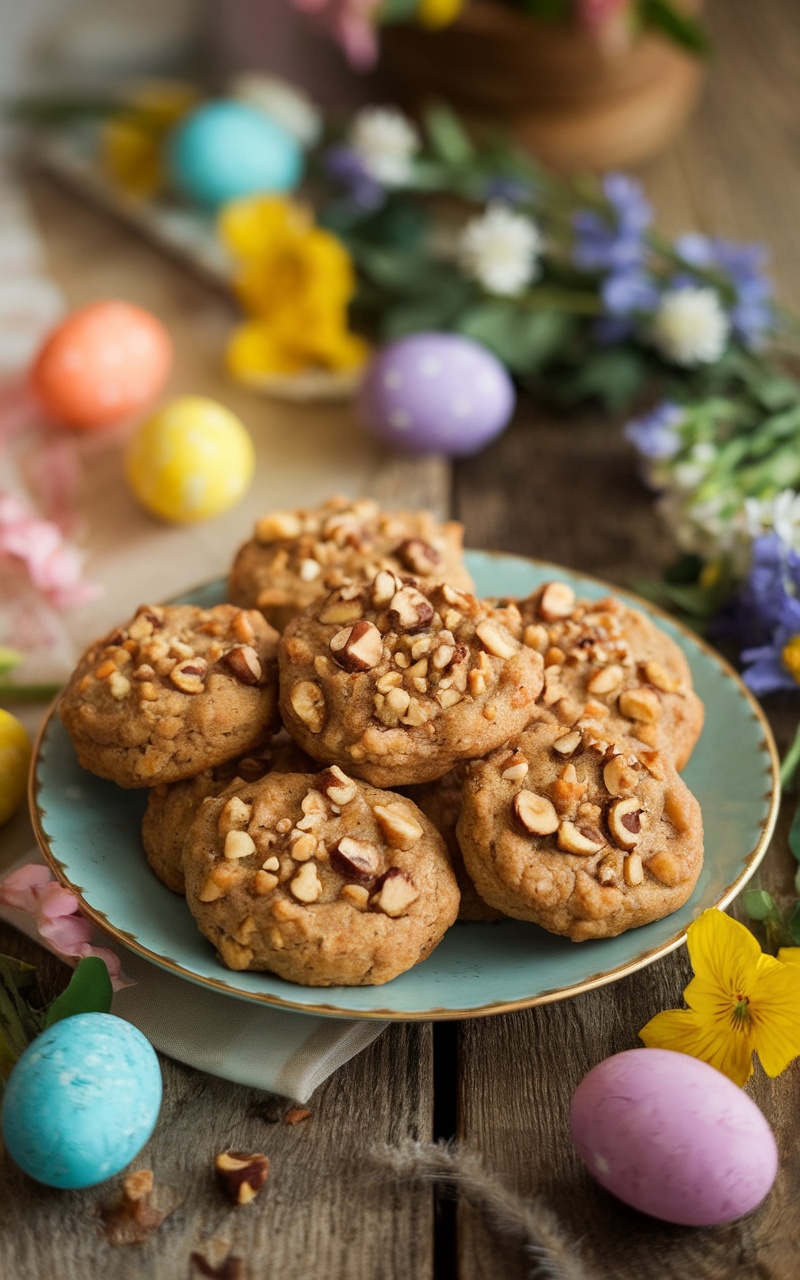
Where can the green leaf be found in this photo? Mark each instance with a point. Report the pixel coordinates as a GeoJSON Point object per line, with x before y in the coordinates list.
{"type": "Point", "coordinates": [524, 340]}
{"type": "Point", "coordinates": [793, 925]}
{"type": "Point", "coordinates": [447, 136]}
{"type": "Point", "coordinates": [614, 377]}
{"type": "Point", "coordinates": [19, 1023]}
{"type": "Point", "coordinates": [797, 880]}
{"type": "Point", "coordinates": [89, 991]}
{"type": "Point", "coordinates": [678, 25]}
{"type": "Point", "coordinates": [794, 834]}
{"type": "Point", "coordinates": [9, 659]}
{"type": "Point", "coordinates": [396, 11]}
{"type": "Point", "coordinates": [760, 905]}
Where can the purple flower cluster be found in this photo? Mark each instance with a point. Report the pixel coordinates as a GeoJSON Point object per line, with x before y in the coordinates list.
{"type": "Point", "coordinates": [346, 167]}
{"type": "Point", "coordinates": [742, 267]}
{"type": "Point", "coordinates": [655, 435]}
{"type": "Point", "coordinates": [612, 242]}
{"type": "Point", "coordinates": [769, 615]}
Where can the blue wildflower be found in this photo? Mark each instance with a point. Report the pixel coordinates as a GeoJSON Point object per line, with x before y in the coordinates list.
{"type": "Point", "coordinates": [614, 239]}
{"type": "Point", "coordinates": [655, 434]}
{"type": "Point", "coordinates": [743, 266]}
{"type": "Point", "coordinates": [629, 292]}
{"type": "Point", "coordinates": [346, 166]}
{"type": "Point", "coordinates": [776, 664]}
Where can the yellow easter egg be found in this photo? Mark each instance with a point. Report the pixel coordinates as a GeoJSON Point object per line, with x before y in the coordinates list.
{"type": "Point", "coordinates": [191, 460]}
{"type": "Point", "coordinates": [15, 757]}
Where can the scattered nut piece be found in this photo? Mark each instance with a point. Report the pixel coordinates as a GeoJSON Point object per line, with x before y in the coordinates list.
{"type": "Point", "coordinates": [358, 648]}
{"type": "Point", "coordinates": [583, 840]}
{"type": "Point", "coordinates": [515, 772]}
{"type": "Point", "coordinates": [418, 556]}
{"type": "Point", "coordinates": [244, 663]}
{"type": "Point", "coordinates": [337, 786]}
{"type": "Point", "coordinates": [606, 680]}
{"type": "Point", "coordinates": [535, 637]}
{"type": "Point", "coordinates": [238, 844]}
{"type": "Point", "coordinates": [296, 1114]}
{"type": "Point", "coordinates": [401, 829]}
{"type": "Point", "coordinates": [308, 704]}
{"type": "Point", "coordinates": [410, 610]}
{"type": "Point", "coordinates": [189, 675]}
{"type": "Point", "coordinates": [306, 885]}
{"type": "Point", "coordinates": [340, 611]}
{"type": "Point", "coordinates": [556, 601]}
{"type": "Point", "coordinates": [625, 821]}
{"type": "Point", "coordinates": [119, 685]}
{"type": "Point", "coordinates": [384, 587]}
{"type": "Point", "coordinates": [666, 868]}
{"type": "Point", "coordinates": [356, 894]}
{"type": "Point", "coordinates": [264, 882]}
{"type": "Point", "coordinates": [495, 640]}
{"type": "Point", "coordinates": [357, 861]}
{"type": "Point", "coordinates": [234, 816]}
{"type": "Point", "coordinates": [568, 743]}
{"type": "Point", "coordinates": [535, 812]}
{"type": "Point", "coordinates": [397, 892]}
{"type": "Point", "coordinates": [632, 869]}
{"type": "Point", "coordinates": [133, 1217]}
{"type": "Point", "coordinates": [657, 675]}
{"type": "Point", "coordinates": [303, 845]}
{"type": "Point", "coordinates": [242, 1173]}
{"type": "Point", "coordinates": [619, 777]}
{"type": "Point", "coordinates": [640, 704]}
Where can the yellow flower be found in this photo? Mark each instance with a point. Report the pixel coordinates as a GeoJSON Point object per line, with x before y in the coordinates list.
{"type": "Point", "coordinates": [294, 281]}
{"type": "Point", "coordinates": [438, 13]}
{"type": "Point", "coordinates": [740, 1003]}
{"type": "Point", "coordinates": [283, 259]}
{"type": "Point", "coordinates": [789, 955]}
{"type": "Point", "coordinates": [132, 142]}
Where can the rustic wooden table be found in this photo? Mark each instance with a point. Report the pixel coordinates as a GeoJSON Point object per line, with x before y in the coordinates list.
{"type": "Point", "coordinates": [565, 491]}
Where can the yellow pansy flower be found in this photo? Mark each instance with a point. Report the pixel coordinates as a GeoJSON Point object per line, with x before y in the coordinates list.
{"type": "Point", "coordinates": [740, 1002]}
{"type": "Point", "coordinates": [294, 281]}
{"type": "Point", "coordinates": [435, 14]}
{"type": "Point", "coordinates": [132, 142]}
{"type": "Point", "coordinates": [789, 955]}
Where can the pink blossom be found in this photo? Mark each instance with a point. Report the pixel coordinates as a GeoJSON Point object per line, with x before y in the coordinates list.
{"type": "Point", "coordinates": [56, 912]}
{"type": "Point", "coordinates": [593, 13]}
{"type": "Point", "coordinates": [53, 565]}
{"type": "Point", "coordinates": [352, 24]}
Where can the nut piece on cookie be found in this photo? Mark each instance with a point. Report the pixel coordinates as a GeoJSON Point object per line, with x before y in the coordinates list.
{"type": "Point", "coordinates": [584, 856]}
{"type": "Point", "coordinates": [605, 653]}
{"type": "Point", "coordinates": [398, 679]}
{"type": "Point", "coordinates": [296, 556]}
{"type": "Point", "coordinates": [173, 692]}
{"type": "Point", "coordinates": [341, 883]}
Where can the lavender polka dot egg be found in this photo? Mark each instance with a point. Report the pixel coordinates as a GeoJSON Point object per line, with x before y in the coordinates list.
{"type": "Point", "coordinates": [81, 1101]}
{"type": "Point", "coordinates": [436, 393]}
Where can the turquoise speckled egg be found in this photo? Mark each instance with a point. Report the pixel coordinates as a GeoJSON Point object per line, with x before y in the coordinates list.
{"type": "Point", "coordinates": [81, 1101]}
{"type": "Point", "coordinates": [225, 150]}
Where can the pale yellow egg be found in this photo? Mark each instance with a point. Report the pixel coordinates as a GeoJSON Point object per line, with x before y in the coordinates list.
{"type": "Point", "coordinates": [15, 757]}
{"type": "Point", "coordinates": [191, 460]}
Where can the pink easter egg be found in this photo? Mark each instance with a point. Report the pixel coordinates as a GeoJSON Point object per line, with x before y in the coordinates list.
{"type": "Point", "coordinates": [104, 363]}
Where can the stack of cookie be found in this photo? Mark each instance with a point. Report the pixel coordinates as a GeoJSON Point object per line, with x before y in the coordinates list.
{"type": "Point", "coordinates": [332, 797]}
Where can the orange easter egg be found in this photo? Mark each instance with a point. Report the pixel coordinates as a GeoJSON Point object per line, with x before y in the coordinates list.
{"type": "Point", "coordinates": [102, 364]}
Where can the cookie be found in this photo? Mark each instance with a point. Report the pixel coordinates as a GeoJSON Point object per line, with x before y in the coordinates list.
{"type": "Point", "coordinates": [173, 806]}
{"type": "Point", "coordinates": [613, 660]}
{"type": "Point", "coordinates": [318, 878]}
{"type": "Point", "coordinates": [296, 556]}
{"type": "Point", "coordinates": [441, 802]}
{"type": "Point", "coordinates": [398, 679]}
{"type": "Point", "coordinates": [586, 838]}
{"type": "Point", "coordinates": [173, 692]}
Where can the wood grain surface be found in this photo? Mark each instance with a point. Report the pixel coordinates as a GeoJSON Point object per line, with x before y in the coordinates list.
{"type": "Point", "coordinates": [564, 490]}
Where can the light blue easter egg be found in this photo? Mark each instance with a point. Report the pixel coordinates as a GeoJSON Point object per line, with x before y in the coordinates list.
{"type": "Point", "coordinates": [229, 149]}
{"type": "Point", "coordinates": [81, 1101]}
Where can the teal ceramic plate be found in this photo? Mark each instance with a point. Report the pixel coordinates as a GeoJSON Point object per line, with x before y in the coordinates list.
{"type": "Point", "coordinates": [89, 833]}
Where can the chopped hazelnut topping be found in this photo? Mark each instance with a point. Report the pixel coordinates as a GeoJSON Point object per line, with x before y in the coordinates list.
{"type": "Point", "coordinates": [339, 612]}
{"type": "Point", "coordinates": [657, 675]}
{"type": "Point", "coordinates": [358, 861]}
{"type": "Point", "coordinates": [606, 680]}
{"type": "Point", "coordinates": [238, 844]}
{"type": "Point", "coordinates": [358, 648]}
{"type": "Point", "coordinates": [568, 743]}
{"type": "Point", "coordinates": [235, 814]}
{"type": "Point", "coordinates": [410, 610]}
{"type": "Point", "coordinates": [515, 772]}
{"type": "Point", "coordinates": [308, 704]}
{"type": "Point", "coordinates": [397, 893]}
{"type": "Point", "coordinates": [356, 894]}
{"type": "Point", "coordinates": [264, 882]}
{"type": "Point", "coordinates": [277, 526]}
{"type": "Point", "coordinates": [536, 813]}
{"type": "Point", "coordinates": [625, 821]}
{"type": "Point", "coordinates": [640, 704]}
{"type": "Point", "coordinates": [119, 685]}
{"type": "Point", "coordinates": [495, 639]}
{"type": "Point", "coordinates": [337, 786]}
{"type": "Point", "coordinates": [632, 869]}
{"type": "Point", "coordinates": [306, 885]}
{"type": "Point", "coordinates": [399, 826]}
{"type": "Point", "coordinates": [583, 840]}
{"type": "Point", "coordinates": [303, 846]}
{"type": "Point", "coordinates": [556, 601]}
{"type": "Point", "coordinates": [244, 663]}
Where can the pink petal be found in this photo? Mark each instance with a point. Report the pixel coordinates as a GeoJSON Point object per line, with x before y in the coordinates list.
{"type": "Point", "coordinates": [66, 934]}
{"type": "Point", "coordinates": [53, 902]}
{"type": "Point", "coordinates": [17, 890]}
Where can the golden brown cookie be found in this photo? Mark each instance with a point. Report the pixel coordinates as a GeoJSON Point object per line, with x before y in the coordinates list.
{"type": "Point", "coordinates": [318, 878]}
{"type": "Point", "coordinates": [441, 802]}
{"type": "Point", "coordinates": [398, 679]}
{"type": "Point", "coordinates": [172, 692]}
{"type": "Point", "coordinates": [602, 654]}
{"type": "Point", "coordinates": [296, 556]}
{"type": "Point", "coordinates": [584, 834]}
{"type": "Point", "coordinates": [173, 806]}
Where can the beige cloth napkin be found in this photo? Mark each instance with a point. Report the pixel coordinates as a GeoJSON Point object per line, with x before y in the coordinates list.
{"type": "Point", "coordinates": [273, 1049]}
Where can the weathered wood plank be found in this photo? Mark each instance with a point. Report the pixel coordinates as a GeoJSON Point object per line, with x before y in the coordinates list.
{"type": "Point", "coordinates": [566, 491]}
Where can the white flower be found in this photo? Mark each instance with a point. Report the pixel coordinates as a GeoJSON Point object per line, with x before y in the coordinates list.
{"type": "Point", "coordinates": [282, 102]}
{"type": "Point", "coordinates": [781, 513]}
{"type": "Point", "coordinates": [500, 249]}
{"type": "Point", "coordinates": [386, 142]}
{"type": "Point", "coordinates": [690, 327]}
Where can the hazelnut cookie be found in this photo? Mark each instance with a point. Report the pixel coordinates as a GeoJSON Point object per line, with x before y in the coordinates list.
{"type": "Point", "coordinates": [318, 878]}
{"type": "Point", "coordinates": [296, 556]}
{"type": "Point", "coordinates": [441, 802]}
{"type": "Point", "coordinates": [584, 834]}
{"type": "Point", "coordinates": [398, 679]}
{"type": "Point", "coordinates": [172, 806]}
{"type": "Point", "coordinates": [614, 661]}
{"type": "Point", "coordinates": [172, 692]}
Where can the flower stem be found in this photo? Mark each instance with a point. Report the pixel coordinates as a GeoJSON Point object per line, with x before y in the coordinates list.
{"type": "Point", "coordinates": [28, 692]}
{"type": "Point", "coordinates": [790, 762]}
